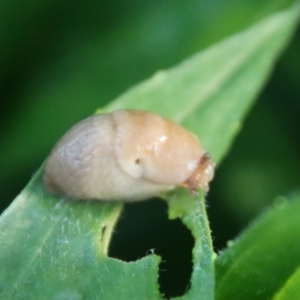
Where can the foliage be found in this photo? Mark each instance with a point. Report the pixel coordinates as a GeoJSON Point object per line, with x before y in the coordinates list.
{"type": "Point", "coordinates": [54, 249]}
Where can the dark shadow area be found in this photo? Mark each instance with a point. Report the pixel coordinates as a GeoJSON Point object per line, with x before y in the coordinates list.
{"type": "Point", "coordinates": [144, 228]}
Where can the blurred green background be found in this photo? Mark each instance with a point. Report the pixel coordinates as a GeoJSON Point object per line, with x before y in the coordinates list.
{"type": "Point", "coordinates": [60, 60]}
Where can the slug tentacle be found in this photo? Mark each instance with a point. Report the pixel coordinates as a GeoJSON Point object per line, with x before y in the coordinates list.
{"type": "Point", "coordinates": [202, 175]}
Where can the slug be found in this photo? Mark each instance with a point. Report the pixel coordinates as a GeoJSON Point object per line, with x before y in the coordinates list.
{"type": "Point", "coordinates": [126, 155]}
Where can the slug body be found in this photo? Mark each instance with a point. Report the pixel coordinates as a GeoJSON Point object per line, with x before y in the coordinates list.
{"type": "Point", "coordinates": [126, 155]}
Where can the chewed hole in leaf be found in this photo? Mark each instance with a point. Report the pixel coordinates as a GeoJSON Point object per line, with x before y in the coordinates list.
{"type": "Point", "coordinates": [143, 229]}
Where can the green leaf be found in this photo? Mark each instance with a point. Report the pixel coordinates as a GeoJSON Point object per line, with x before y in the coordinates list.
{"type": "Point", "coordinates": [211, 92]}
{"type": "Point", "coordinates": [263, 263]}
{"type": "Point", "coordinates": [52, 248]}
{"type": "Point", "coordinates": [192, 212]}
{"type": "Point", "coordinates": [291, 288]}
